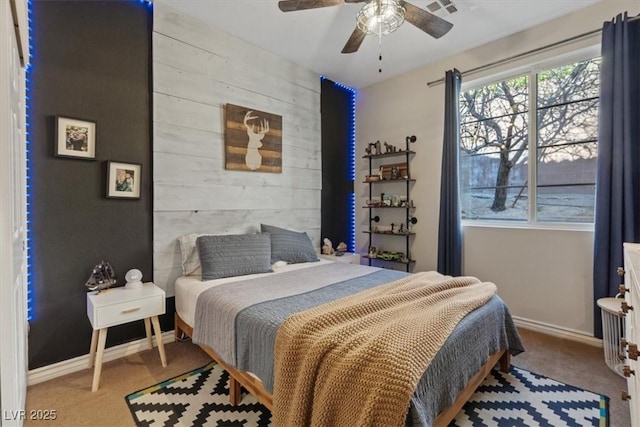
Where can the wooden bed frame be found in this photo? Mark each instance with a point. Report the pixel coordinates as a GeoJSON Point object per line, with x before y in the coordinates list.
{"type": "Point", "coordinates": [253, 385]}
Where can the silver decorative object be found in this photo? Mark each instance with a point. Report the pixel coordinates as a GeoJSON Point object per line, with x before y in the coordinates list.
{"type": "Point", "coordinates": [102, 277]}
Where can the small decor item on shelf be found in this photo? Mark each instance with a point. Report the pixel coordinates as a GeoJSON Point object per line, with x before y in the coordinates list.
{"type": "Point", "coordinates": [377, 148]}
{"type": "Point", "coordinates": [327, 248]}
{"type": "Point", "coordinates": [391, 256]}
{"type": "Point", "coordinates": [395, 173]}
{"type": "Point", "coordinates": [341, 249]}
{"type": "Point", "coordinates": [388, 148]}
{"type": "Point", "coordinates": [373, 202]}
{"type": "Point", "coordinates": [134, 280]}
{"type": "Point", "coordinates": [102, 277]}
{"type": "Point", "coordinates": [373, 252]}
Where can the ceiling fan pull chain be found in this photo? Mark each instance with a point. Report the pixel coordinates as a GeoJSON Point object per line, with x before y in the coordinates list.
{"type": "Point", "coordinates": [380, 47]}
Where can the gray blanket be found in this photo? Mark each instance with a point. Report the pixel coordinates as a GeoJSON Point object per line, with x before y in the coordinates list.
{"type": "Point", "coordinates": [217, 307]}
{"type": "Point", "coordinates": [256, 308]}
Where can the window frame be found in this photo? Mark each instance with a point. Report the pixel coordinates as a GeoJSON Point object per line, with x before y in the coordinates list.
{"type": "Point", "coordinates": [531, 70]}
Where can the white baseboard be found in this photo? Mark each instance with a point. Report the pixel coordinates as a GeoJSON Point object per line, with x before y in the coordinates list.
{"type": "Point", "coordinates": [557, 331]}
{"type": "Point", "coordinates": [79, 363]}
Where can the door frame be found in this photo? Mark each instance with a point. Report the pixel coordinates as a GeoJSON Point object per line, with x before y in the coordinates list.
{"type": "Point", "coordinates": [13, 19]}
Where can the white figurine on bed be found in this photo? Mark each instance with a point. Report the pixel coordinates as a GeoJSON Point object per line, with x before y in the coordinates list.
{"type": "Point", "coordinates": [327, 248]}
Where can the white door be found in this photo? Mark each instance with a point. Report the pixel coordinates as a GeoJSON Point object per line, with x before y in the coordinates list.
{"type": "Point", "coordinates": [13, 265]}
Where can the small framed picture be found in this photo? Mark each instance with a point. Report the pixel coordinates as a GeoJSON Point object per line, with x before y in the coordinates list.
{"type": "Point", "coordinates": [123, 180]}
{"type": "Point", "coordinates": [75, 138]}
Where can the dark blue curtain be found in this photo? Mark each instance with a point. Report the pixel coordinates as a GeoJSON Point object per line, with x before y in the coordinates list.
{"type": "Point", "coordinates": [450, 230]}
{"type": "Point", "coordinates": [618, 169]}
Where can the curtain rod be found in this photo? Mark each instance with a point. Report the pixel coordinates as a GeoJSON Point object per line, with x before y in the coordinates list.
{"type": "Point", "coordinates": [527, 53]}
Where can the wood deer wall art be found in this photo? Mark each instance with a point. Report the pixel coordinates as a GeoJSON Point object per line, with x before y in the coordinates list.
{"type": "Point", "coordinates": [253, 140]}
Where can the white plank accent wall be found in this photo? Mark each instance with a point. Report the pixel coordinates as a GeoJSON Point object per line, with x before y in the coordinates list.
{"type": "Point", "coordinates": [198, 69]}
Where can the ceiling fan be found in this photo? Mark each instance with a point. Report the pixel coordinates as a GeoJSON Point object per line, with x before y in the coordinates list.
{"type": "Point", "coordinates": [373, 15]}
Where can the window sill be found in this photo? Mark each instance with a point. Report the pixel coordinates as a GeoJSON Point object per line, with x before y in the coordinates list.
{"type": "Point", "coordinates": [529, 226]}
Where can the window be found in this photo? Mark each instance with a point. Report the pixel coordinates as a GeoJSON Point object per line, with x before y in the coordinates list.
{"type": "Point", "coordinates": [550, 116]}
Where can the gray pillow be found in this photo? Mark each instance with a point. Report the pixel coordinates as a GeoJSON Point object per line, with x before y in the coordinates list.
{"type": "Point", "coordinates": [290, 246]}
{"type": "Point", "coordinates": [234, 255]}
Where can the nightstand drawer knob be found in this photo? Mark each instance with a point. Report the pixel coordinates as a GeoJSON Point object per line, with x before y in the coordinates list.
{"type": "Point", "coordinates": [130, 310]}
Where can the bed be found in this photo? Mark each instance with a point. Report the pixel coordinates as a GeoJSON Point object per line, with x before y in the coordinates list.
{"type": "Point", "coordinates": [236, 320]}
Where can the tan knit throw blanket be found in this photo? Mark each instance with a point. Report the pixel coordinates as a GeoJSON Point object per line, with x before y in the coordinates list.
{"type": "Point", "coordinates": [356, 361]}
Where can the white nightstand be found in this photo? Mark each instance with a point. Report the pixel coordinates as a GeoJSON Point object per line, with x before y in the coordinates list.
{"type": "Point", "coordinates": [348, 257]}
{"type": "Point", "coordinates": [117, 306]}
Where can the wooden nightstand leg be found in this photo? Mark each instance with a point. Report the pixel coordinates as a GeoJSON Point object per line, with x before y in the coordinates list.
{"type": "Point", "coordinates": [158, 331]}
{"type": "Point", "coordinates": [147, 327]}
{"type": "Point", "coordinates": [92, 349]}
{"type": "Point", "coordinates": [102, 339]}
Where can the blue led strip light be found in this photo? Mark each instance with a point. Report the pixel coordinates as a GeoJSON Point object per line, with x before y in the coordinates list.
{"type": "Point", "coordinates": [28, 127]}
{"type": "Point", "coordinates": [352, 162]}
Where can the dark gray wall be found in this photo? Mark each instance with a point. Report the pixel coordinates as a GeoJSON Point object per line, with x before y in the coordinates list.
{"type": "Point", "coordinates": [337, 186]}
{"type": "Point", "coordinates": [91, 59]}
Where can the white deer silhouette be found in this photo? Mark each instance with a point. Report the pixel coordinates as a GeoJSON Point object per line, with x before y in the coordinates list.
{"type": "Point", "coordinates": [253, 159]}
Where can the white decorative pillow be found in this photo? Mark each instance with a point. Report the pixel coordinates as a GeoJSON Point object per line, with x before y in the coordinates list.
{"type": "Point", "coordinates": [190, 256]}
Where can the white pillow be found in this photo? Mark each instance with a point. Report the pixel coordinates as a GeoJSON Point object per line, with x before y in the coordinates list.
{"type": "Point", "coordinates": [190, 256]}
{"type": "Point", "coordinates": [279, 264]}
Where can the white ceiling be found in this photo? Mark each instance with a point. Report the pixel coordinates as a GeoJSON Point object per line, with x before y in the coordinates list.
{"type": "Point", "coordinates": [314, 38]}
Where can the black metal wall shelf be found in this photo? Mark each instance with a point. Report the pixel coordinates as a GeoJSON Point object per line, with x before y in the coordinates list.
{"type": "Point", "coordinates": [410, 218]}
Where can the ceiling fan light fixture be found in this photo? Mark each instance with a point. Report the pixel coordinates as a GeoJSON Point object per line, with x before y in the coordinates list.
{"type": "Point", "coordinates": [380, 17]}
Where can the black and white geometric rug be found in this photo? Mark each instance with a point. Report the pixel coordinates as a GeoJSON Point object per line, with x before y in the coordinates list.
{"type": "Point", "coordinates": [522, 398]}
{"type": "Point", "coordinates": [197, 398]}
{"type": "Point", "coordinates": [517, 399]}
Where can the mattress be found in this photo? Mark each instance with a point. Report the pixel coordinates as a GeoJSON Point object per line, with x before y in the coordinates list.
{"type": "Point", "coordinates": [188, 288]}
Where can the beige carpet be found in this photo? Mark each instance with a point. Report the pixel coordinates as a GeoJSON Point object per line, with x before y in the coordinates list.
{"type": "Point", "coordinates": [576, 364]}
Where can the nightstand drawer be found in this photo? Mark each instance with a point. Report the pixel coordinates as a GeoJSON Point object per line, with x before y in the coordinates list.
{"type": "Point", "coordinates": [127, 311]}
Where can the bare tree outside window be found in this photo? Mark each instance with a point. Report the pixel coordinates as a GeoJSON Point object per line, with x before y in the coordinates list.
{"type": "Point", "coordinates": [495, 152]}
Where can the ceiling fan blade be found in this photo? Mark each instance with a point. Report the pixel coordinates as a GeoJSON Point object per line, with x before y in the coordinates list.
{"type": "Point", "coordinates": [293, 5]}
{"type": "Point", "coordinates": [427, 22]}
{"type": "Point", "coordinates": [354, 42]}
